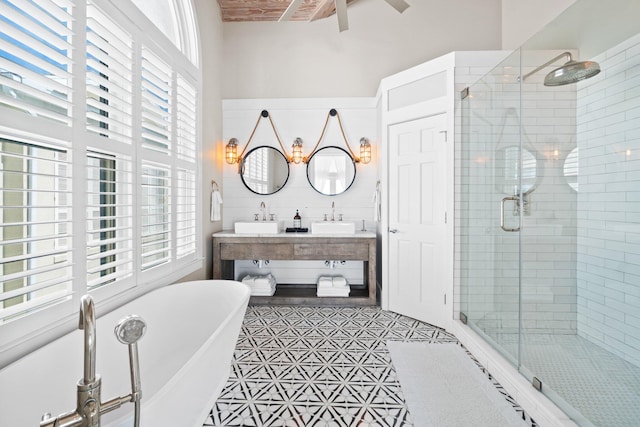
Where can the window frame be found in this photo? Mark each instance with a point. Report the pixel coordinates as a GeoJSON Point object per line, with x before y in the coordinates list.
{"type": "Point", "coordinates": [27, 333]}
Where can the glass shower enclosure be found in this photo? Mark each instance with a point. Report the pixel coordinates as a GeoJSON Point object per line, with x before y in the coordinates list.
{"type": "Point", "coordinates": [549, 214]}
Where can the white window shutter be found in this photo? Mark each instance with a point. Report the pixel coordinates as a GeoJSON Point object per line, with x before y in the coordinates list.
{"type": "Point", "coordinates": [35, 59]}
{"type": "Point", "coordinates": [109, 77]}
{"type": "Point", "coordinates": [35, 227]}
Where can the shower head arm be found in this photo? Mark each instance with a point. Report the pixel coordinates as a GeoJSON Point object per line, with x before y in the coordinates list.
{"type": "Point", "coordinates": [563, 54]}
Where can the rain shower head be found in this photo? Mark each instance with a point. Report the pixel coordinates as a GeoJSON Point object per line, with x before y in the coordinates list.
{"type": "Point", "coordinates": [571, 72]}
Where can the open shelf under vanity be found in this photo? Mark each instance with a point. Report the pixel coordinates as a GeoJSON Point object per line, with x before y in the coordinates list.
{"type": "Point", "coordinates": [230, 247]}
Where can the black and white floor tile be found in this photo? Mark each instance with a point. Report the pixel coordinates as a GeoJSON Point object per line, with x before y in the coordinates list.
{"type": "Point", "coordinates": [320, 366]}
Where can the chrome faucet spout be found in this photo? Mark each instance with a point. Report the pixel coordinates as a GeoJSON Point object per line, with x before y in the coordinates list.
{"type": "Point", "coordinates": [89, 405]}
{"type": "Point", "coordinates": [263, 209]}
{"type": "Point", "coordinates": [88, 324]}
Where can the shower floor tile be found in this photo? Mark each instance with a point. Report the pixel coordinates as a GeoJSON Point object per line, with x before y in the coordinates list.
{"type": "Point", "coordinates": [320, 366]}
{"type": "Point", "coordinates": [597, 387]}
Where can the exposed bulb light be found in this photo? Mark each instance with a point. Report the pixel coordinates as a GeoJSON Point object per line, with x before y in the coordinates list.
{"type": "Point", "coordinates": [231, 151]}
{"type": "Point", "coordinates": [365, 151]}
{"type": "Point", "coordinates": [296, 156]}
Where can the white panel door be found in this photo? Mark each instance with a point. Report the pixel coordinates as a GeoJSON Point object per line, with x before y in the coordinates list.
{"type": "Point", "coordinates": [417, 218]}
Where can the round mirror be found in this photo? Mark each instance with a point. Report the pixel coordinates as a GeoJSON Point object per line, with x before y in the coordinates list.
{"type": "Point", "coordinates": [509, 174]}
{"type": "Point", "coordinates": [331, 171]}
{"type": "Point", "coordinates": [264, 170]}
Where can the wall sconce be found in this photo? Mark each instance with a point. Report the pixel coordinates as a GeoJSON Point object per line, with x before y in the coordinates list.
{"type": "Point", "coordinates": [365, 150]}
{"type": "Point", "coordinates": [296, 156]}
{"type": "Point", "coordinates": [231, 151]}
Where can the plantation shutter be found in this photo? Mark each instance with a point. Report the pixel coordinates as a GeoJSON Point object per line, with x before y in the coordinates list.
{"type": "Point", "coordinates": [109, 219]}
{"type": "Point", "coordinates": [35, 227]}
{"type": "Point", "coordinates": [156, 215]}
{"type": "Point", "coordinates": [186, 111]}
{"type": "Point", "coordinates": [35, 58]}
{"type": "Point", "coordinates": [109, 77]}
{"type": "Point", "coordinates": [186, 213]}
{"type": "Point", "coordinates": [156, 103]}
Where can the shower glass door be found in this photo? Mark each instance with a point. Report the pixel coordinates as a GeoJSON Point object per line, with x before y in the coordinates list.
{"type": "Point", "coordinates": [548, 209]}
{"type": "Point", "coordinates": [492, 181]}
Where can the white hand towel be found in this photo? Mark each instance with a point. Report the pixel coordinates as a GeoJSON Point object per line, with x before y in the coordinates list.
{"type": "Point", "coordinates": [216, 201]}
{"type": "Point", "coordinates": [333, 292]}
{"type": "Point", "coordinates": [339, 282]}
{"type": "Point", "coordinates": [377, 207]}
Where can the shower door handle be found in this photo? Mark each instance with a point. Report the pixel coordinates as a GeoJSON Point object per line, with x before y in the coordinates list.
{"type": "Point", "coordinates": [515, 199]}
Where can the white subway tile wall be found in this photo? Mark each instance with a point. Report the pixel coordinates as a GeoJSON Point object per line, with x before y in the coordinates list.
{"type": "Point", "coordinates": [488, 257]}
{"type": "Point", "coordinates": [608, 201]}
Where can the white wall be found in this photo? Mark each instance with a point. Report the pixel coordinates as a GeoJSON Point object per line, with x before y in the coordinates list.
{"type": "Point", "coordinates": [609, 203]}
{"type": "Point", "coordinates": [302, 118]}
{"type": "Point", "coordinates": [210, 30]}
{"type": "Point", "coordinates": [522, 19]}
{"type": "Point", "coordinates": [301, 59]}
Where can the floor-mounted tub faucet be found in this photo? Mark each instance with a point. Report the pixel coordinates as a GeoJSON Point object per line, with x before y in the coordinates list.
{"type": "Point", "coordinates": [90, 408]}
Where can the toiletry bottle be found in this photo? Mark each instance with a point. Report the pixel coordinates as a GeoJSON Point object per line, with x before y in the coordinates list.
{"type": "Point", "coordinates": [297, 221]}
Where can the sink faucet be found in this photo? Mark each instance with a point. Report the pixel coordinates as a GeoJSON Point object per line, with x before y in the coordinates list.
{"type": "Point", "coordinates": [89, 407]}
{"type": "Point", "coordinates": [263, 210]}
{"type": "Point", "coordinates": [333, 211]}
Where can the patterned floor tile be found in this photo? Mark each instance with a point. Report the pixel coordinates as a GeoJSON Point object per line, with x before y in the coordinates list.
{"type": "Point", "coordinates": [319, 366]}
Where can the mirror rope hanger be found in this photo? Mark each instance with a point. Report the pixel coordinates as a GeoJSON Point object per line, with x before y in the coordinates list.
{"type": "Point", "coordinates": [332, 113]}
{"type": "Point", "coordinates": [231, 153]}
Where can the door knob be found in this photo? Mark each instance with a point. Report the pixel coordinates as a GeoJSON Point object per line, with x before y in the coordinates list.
{"type": "Point", "coordinates": [393, 230]}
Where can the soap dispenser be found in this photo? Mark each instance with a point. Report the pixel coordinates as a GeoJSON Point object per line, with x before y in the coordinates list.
{"type": "Point", "coordinates": [297, 220]}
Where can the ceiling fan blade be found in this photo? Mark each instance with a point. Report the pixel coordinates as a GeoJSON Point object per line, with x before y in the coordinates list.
{"type": "Point", "coordinates": [399, 5]}
{"type": "Point", "coordinates": [341, 11]}
{"type": "Point", "coordinates": [293, 6]}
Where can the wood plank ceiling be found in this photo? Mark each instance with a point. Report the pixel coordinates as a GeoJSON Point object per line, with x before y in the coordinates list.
{"type": "Point", "coordinates": [272, 10]}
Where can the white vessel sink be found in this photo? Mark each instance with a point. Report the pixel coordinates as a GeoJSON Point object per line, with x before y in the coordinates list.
{"type": "Point", "coordinates": [333, 227]}
{"type": "Point", "coordinates": [256, 227]}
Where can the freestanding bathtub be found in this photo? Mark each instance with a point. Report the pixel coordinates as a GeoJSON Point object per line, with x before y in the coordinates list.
{"type": "Point", "coordinates": [185, 356]}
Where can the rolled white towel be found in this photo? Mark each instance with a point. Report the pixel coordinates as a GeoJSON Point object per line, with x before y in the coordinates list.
{"type": "Point", "coordinates": [325, 282]}
{"type": "Point", "coordinates": [339, 282]}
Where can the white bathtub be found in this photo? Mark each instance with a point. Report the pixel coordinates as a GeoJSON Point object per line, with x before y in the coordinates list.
{"type": "Point", "coordinates": [185, 356]}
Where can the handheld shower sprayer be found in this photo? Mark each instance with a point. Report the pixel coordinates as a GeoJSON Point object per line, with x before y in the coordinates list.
{"type": "Point", "coordinates": [128, 331]}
